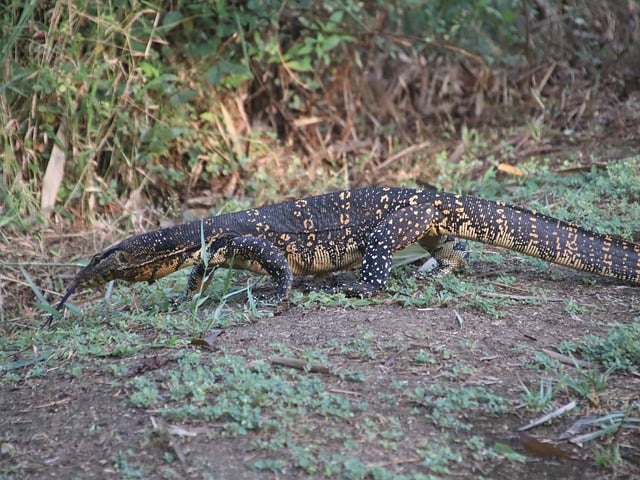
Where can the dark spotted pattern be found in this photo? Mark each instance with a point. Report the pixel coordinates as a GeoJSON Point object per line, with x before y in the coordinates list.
{"type": "Point", "coordinates": [339, 230]}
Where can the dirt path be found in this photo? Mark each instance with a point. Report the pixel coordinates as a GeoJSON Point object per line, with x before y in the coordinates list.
{"type": "Point", "coordinates": [385, 362]}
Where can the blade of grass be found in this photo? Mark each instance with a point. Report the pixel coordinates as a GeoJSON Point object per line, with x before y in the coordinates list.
{"type": "Point", "coordinates": [36, 291]}
{"type": "Point", "coordinates": [16, 31]}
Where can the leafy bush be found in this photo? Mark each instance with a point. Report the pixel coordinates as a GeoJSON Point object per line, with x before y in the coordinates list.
{"type": "Point", "coordinates": [170, 99]}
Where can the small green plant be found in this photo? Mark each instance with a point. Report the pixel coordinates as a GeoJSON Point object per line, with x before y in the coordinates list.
{"type": "Point", "coordinates": [305, 458]}
{"type": "Point", "coordinates": [544, 362]}
{"type": "Point", "coordinates": [449, 407]}
{"type": "Point", "coordinates": [243, 397]}
{"type": "Point", "coordinates": [361, 346]}
{"type": "Point", "coordinates": [438, 458]}
{"type": "Point", "coordinates": [619, 351]}
{"type": "Point", "coordinates": [145, 393]}
{"type": "Point", "coordinates": [574, 308]}
{"type": "Point", "coordinates": [589, 383]}
{"type": "Point", "coordinates": [275, 465]}
{"type": "Point", "coordinates": [608, 458]}
{"type": "Point", "coordinates": [540, 398]}
{"type": "Point", "coordinates": [479, 449]}
{"type": "Point", "coordinates": [424, 357]}
{"type": "Point", "coordinates": [121, 461]}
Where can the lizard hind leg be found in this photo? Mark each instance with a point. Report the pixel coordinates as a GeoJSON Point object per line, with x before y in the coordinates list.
{"type": "Point", "coordinates": [397, 231]}
{"type": "Point", "coordinates": [448, 254]}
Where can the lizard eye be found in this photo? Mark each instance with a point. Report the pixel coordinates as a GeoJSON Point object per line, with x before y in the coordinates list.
{"type": "Point", "coordinates": [110, 255]}
{"type": "Point", "coordinates": [120, 256]}
{"type": "Point", "coordinates": [95, 259]}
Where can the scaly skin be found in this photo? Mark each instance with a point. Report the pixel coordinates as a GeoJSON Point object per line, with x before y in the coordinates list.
{"type": "Point", "coordinates": [338, 231]}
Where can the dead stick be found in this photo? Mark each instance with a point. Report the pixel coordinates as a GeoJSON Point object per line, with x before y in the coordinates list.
{"type": "Point", "coordinates": [300, 364]}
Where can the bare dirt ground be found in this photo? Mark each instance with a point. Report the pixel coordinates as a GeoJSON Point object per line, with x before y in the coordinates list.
{"type": "Point", "coordinates": [61, 426]}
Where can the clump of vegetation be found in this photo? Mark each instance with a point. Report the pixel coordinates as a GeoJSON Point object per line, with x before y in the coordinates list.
{"type": "Point", "coordinates": [118, 102]}
{"type": "Point", "coordinates": [619, 351]}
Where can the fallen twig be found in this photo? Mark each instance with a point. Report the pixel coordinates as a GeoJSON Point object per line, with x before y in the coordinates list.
{"type": "Point", "coordinates": [566, 359]}
{"type": "Point", "coordinates": [300, 364]}
{"type": "Point", "coordinates": [540, 420]}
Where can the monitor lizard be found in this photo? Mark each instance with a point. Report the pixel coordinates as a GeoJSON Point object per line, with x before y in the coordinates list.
{"type": "Point", "coordinates": [337, 231]}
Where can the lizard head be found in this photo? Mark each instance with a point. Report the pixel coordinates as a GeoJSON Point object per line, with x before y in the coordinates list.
{"type": "Point", "coordinates": [145, 257]}
{"type": "Point", "coordinates": [108, 265]}
{"type": "Point", "coordinates": [112, 263]}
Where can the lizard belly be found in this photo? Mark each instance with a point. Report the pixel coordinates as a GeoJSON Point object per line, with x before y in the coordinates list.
{"type": "Point", "coordinates": [304, 262]}
{"type": "Point", "coordinates": [322, 259]}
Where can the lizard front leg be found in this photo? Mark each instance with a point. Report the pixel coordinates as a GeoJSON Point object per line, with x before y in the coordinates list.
{"type": "Point", "coordinates": [250, 249]}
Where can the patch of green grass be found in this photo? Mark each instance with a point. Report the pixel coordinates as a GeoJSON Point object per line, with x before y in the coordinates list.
{"type": "Point", "coordinates": [589, 383]}
{"type": "Point", "coordinates": [274, 465]}
{"type": "Point", "coordinates": [438, 458]}
{"type": "Point", "coordinates": [619, 351]}
{"type": "Point", "coordinates": [480, 451]}
{"type": "Point", "coordinates": [285, 406]}
{"type": "Point", "coordinates": [361, 346]}
{"type": "Point", "coordinates": [538, 399]}
{"type": "Point", "coordinates": [41, 349]}
{"type": "Point", "coordinates": [454, 290]}
{"type": "Point", "coordinates": [240, 395]}
{"type": "Point", "coordinates": [126, 468]}
{"type": "Point", "coordinates": [316, 298]}
{"type": "Point", "coordinates": [574, 308]}
{"type": "Point", "coordinates": [409, 291]}
{"type": "Point", "coordinates": [450, 407]}
{"type": "Point", "coordinates": [542, 361]}
{"type": "Point", "coordinates": [145, 392]}
{"type": "Point", "coordinates": [424, 357]}
{"type": "Point", "coordinates": [608, 457]}
{"type": "Point", "coordinates": [458, 371]}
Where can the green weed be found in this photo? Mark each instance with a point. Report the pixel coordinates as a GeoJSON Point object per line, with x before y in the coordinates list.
{"type": "Point", "coordinates": [359, 347]}
{"type": "Point", "coordinates": [424, 357]}
{"type": "Point", "coordinates": [540, 398]}
{"type": "Point", "coordinates": [439, 459]}
{"type": "Point", "coordinates": [145, 393]}
{"type": "Point", "coordinates": [589, 383]}
{"type": "Point", "coordinates": [244, 397]}
{"type": "Point", "coordinates": [127, 469]}
{"type": "Point", "coordinates": [543, 362]}
{"type": "Point", "coordinates": [619, 351]}
{"type": "Point", "coordinates": [608, 458]}
{"type": "Point", "coordinates": [574, 308]}
{"type": "Point", "coordinates": [449, 407]}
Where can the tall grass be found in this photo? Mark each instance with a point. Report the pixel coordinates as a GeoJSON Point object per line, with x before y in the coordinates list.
{"type": "Point", "coordinates": [112, 105]}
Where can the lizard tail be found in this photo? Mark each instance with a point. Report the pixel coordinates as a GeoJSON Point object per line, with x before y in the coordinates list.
{"type": "Point", "coordinates": [538, 235]}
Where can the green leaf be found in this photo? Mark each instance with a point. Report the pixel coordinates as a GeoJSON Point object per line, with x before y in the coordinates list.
{"type": "Point", "coordinates": [509, 453]}
{"type": "Point", "coordinates": [302, 65]}
{"type": "Point", "coordinates": [172, 18]}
